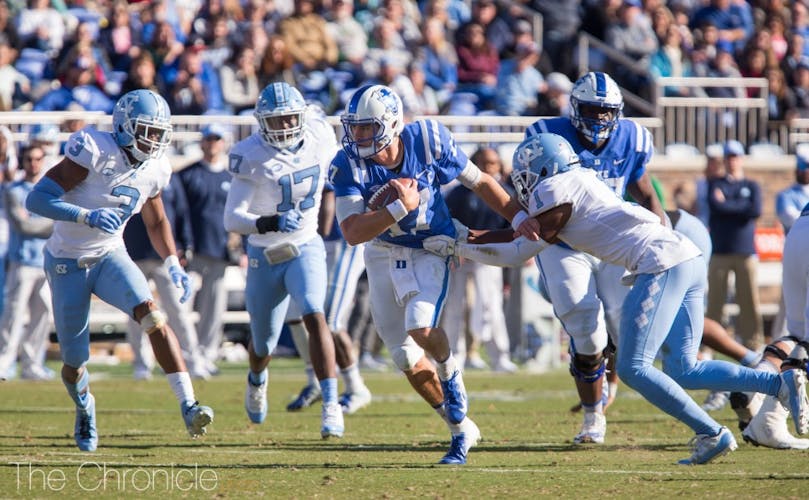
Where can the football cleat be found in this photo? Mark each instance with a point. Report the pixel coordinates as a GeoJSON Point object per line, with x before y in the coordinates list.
{"type": "Point", "coordinates": [593, 429]}
{"type": "Point", "coordinates": [461, 443]}
{"type": "Point", "coordinates": [715, 401]}
{"type": "Point", "coordinates": [84, 431]}
{"type": "Point", "coordinates": [746, 405]}
{"type": "Point", "coordinates": [308, 396]}
{"type": "Point", "coordinates": [455, 400]}
{"type": "Point", "coordinates": [196, 418]}
{"type": "Point", "coordinates": [255, 401]}
{"type": "Point", "coordinates": [331, 421]}
{"type": "Point", "coordinates": [705, 448]}
{"type": "Point", "coordinates": [793, 396]}
{"type": "Point", "coordinates": [768, 428]}
{"type": "Point", "coordinates": [350, 402]}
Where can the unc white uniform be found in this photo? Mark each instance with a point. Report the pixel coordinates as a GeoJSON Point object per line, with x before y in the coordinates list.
{"type": "Point", "coordinates": [795, 278]}
{"type": "Point", "coordinates": [269, 181]}
{"type": "Point", "coordinates": [80, 260]}
{"type": "Point", "coordinates": [585, 292]}
{"type": "Point", "coordinates": [663, 312]}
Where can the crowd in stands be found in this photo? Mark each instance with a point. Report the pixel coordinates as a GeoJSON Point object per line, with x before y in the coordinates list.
{"type": "Point", "coordinates": [441, 56]}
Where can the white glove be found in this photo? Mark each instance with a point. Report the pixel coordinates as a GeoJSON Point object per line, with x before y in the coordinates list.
{"type": "Point", "coordinates": [441, 245]}
{"type": "Point", "coordinates": [461, 231]}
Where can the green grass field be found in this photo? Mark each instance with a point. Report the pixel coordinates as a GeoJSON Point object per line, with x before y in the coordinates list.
{"type": "Point", "coordinates": [390, 449]}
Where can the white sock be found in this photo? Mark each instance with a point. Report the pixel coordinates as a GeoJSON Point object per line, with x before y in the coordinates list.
{"type": "Point", "coordinates": [180, 383]}
{"type": "Point", "coordinates": [446, 368]}
{"type": "Point", "coordinates": [352, 378]}
{"type": "Point", "coordinates": [301, 339]}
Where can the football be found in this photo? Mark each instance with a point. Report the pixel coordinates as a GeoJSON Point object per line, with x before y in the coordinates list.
{"type": "Point", "coordinates": [382, 197]}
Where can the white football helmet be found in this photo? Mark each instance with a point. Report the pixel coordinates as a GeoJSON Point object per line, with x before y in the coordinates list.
{"type": "Point", "coordinates": [596, 90]}
{"type": "Point", "coordinates": [279, 112]}
{"type": "Point", "coordinates": [141, 124]}
{"type": "Point", "coordinates": [539, 157]}
{"type": "Point", "coordinates": [375, 105]}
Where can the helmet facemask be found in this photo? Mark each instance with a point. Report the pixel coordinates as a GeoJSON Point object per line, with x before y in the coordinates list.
{"type": "Point", "coordinates": [282, 130]}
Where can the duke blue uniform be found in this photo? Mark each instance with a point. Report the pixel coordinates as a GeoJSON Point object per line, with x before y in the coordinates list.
{"type": "Point", "coordinates": [579, 285]}
{"type": "Point", "coordinates": [80, 260]}
{"type": "Point", "coordinates": [269, 181]}
{"type": "Point", "coordinates": [408, 285]}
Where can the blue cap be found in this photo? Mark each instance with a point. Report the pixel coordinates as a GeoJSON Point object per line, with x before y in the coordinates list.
{"type": "Point", "coordinates": [633, 3]}
{"type": "Point", "coordinates": [734, 148]}
{"type": "Point", "coordinates": [215, 129]}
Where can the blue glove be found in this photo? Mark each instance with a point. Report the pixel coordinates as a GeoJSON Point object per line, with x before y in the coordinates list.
{"type": "Point", "coordinates": [106, 219]}
{"type": "Point", "coordinates": [181, 280]}
{"type": "Point", "coordinates": [290, 221]}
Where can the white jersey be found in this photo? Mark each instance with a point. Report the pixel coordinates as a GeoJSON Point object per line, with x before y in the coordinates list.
{"type": "Point", "coordinates": [281, 180]}
{"type": "Point", "coordinates": [110, 183]}
{"type": "Point", "coordinates": [607, 227]}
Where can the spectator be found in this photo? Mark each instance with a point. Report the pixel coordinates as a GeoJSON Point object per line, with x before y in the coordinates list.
{"type": "Point", "coordinates": [239, 81]}
{"type": "Point", "coordinates": [780, 98]}
{"type": "Point", "coordinates": [41, 27]}
{"type": "Point", "coordinates": [218, 42]}
{"type": "Point", "coordinates": [307, 38]}
{"type": "Point", "coordinates": [26, 288]}
{"type": "Point", "coordinates": [142, 75]}
{"type": "Point", "coordinates": [439, 60]}
{"type": "Point", "coordinates": [478, 65]}
{"type": "Point", "coordinates": [753, 65]}
{"type": "Point", "coordinates": [793, 57]}
{"type": "Point", "coordinates": [560, 25]}
{"type": "Point", "coordinates": [520, 83]}
{"type": "Point", "coordinates": [729, 18]}
{"type": "Point", "coordinates": [276, 63]}
{"type": "Point", "coordinates": [735, 204]}
{"type": "Point", "coordinates": [426, 102]}
{"type": "Point", "coordinates": [165, 50]}
{"type": "Point", "coordinates": [196, 89]}
{"type": "Point", "coordinates": [14, 86]}
{"type": "Point", "coordinates": [778, 35]}
{"type": "Point", "coordinates": [77, 90]}
{"type": "Point", "coordinates": [497, 30]}
{"type": "Point", "coordinates": [388, 45]}
{"type": "Point", "coordinates": [8, 26]}
{"type": "Point", "coordinates": [206, 184]}
{"type": "Point", "coordinates": [405, 18]}
{"type": "Point", "coordinates": [632, 36]}
{"type": "Point", "coordinates": [724, 66]}
{"type": "Point", "coordinates": [392, 75]}
{"type": "Point", "coordinates": [121, 38]}
{"type": "Point", "coordinates": [83, 45]}
{"type": "Point", "coordinates": [556, 99]}
{"type": "Point", "coordinates": [670, 61]}
{"type": "Point", "coordinates": [801, 88]}
{"type": "Point", "coordinates": [351, 39]}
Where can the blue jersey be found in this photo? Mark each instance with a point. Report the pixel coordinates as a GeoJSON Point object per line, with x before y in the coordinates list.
{"type": "Point", "coordinates": [431, 157]}
{"type": "Point", "coordinates": [619, 162]}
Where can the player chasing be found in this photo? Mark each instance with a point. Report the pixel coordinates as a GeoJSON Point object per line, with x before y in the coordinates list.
{"type": "Point", "coordinates": [387, 181]}
{"type": "Point", "coordinates": [663, 311]}
{"type": "Point", "coordinates": [278, 176]}
{"type": "Point", "coordinates": [103, 179]}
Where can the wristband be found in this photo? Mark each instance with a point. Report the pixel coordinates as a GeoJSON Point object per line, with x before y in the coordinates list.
{"type": "Point", "coordinates": [170, 261]}
{"type": "Point", "coordinates": [81, 218]}
{"type": "Point", "coordinates": [397, 210]}
{"type": "Point", "coordinates": [518, 219]}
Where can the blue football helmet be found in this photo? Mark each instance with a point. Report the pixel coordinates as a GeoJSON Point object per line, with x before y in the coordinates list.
{"type": "Point", "coordinates": [279, 112]}
{"type": "Point", "coordinates": [594, 94]}
{"type": "Point", "coordinates": [539, 157]}
{"type": "Point", "coordinates": [141, 124]}
{"type": "Point", "coordinates": [375, 105]}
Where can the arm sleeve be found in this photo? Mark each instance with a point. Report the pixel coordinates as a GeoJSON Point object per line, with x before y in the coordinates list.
{"type": "Point", "coordinates": [349, 205]}
{"type": "Point", "coordinates": [45, 200]}
{"type": "Point", "coordinates": [237, 218]}
{"type": "Point", "coordinates": [509, 254]}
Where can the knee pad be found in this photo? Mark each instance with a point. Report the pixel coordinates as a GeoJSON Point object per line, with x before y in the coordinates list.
{"type": "Point", "coordinates": [587, 370]}
{"type": "Point", "coordinates": [406, 356]}
{"type": "Point", "coordinates": [153, 321]}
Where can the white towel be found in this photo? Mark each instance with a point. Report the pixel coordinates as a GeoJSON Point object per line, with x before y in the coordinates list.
{"type": "Point", "coordinates": [402, 274]}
